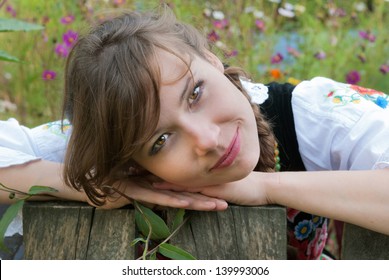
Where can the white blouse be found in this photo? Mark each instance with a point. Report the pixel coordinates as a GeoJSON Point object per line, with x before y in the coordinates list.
{"type": "Point", "coordinates": [341, 126]}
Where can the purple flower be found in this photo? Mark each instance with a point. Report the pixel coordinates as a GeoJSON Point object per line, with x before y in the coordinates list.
{"type": "Point", "coordinates": [260, 24]}
{"type": "Point", "coordinates": [70, 37]}
{"type": "Point", "coordinates": [384, 68]}
{"type": "Point", "coordinates": [67, 19]}
{"type": "Point", "coordinates": [292, 51]}
{"type": "Point", "coordinates": [277, 58]}
{"type": "Point", "coordinates": [220, 23]}
{"type": "Point", "coordinates": [320, 55]}
{"type": "Point", "coordinates": [9, 9]}
{"type": "Point", "coordinates": [49, 75]}
{"type": "Point", "coordinates": [367, 35]}
{"type": "Point", "coordinates": [213, 36]}
{"type": "Point", "coordinates": [231, 53]}
{"type": "Point", "coordinates": [118, 2]}
{"type": "Point", "coordinates": [353, 77]}
{"type": "Point", "coordinates": [62, 50]}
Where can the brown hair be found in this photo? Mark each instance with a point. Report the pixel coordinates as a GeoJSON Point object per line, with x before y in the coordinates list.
{"type": "Point", "coordinates": [112, 83]}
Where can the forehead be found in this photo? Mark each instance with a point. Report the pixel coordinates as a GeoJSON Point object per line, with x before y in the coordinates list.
{"type": "Point", "coordinates": [172, 67]}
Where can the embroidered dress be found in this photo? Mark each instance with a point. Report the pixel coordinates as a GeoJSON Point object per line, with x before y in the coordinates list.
{"type": "Point", "coordinates": [325, 125]}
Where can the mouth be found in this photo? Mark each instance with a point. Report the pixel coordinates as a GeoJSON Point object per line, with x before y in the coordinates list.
{"type": "Point", "coordinates": [230, 154]}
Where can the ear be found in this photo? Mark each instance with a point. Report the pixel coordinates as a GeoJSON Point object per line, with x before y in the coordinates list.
{"type": "Point", "coordinates": [214, 60]}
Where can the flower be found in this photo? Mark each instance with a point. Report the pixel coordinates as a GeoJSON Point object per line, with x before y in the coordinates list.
{"type": "Point", "coordinates": [49, 75]}
{"type": "Point", "coordinates": [218, 15]}
{"type": "Point", "coordinates": [231, 53]}
{"type": "Point", "coordinates": [67, 19]}
{"type": "Point", "coordinates": [292, 51]}
{"type": "Point", "coordinates": [9, 9]}
{"type": "Point", "coordinates": [70, 37]}
{"type": "Point", "coordinates": [275, 73]}
{"type": "Point", "coordinates": [277, 58]}
{"type": "Point", "coordinates": [367, 35]}
{"type": "Point", "coordinates": [286, 12]}
{"type": "Point", "coordinates": [384, 68]}
{"type": "Point", "coordinates": [118, 2]}
{"type": "Point", "coordinates": [62, 50]}
{"type": "Point", "coordinates": [260, 24]}
{"type": "Point", "coordinates": [220, 23]}
{"type": "Point", "coordinates": [213, 36]}
{"type": "Point", "coordinates": [353, 77]}
{"type": "Point", "coordinates": [320, 55]}
{"type": "Point", "coordinates": [303, 229]}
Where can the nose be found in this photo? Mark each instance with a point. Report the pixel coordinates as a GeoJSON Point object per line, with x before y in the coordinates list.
{"type": "Point", "coordinates": [204, 136]}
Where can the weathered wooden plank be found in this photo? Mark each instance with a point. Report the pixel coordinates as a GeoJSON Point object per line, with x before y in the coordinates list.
{"type": "Point", "coordinates": [56, 230]}
{"type": "Point", "coordinates": [111, 235]}
{"type": "Point", "coordinates": [237, 233]}
{"type": "Point", "coordinates": [362, 244]}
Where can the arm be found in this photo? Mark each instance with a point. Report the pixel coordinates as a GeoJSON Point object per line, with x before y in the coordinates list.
{"type": "Point", "coordinates": [357, 197]}
{"type": "Point", "coordinates": [46, 173]}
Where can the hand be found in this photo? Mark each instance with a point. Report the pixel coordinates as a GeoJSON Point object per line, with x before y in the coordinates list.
{"type": "Point", "coordinates": [250, 190]}
{"type": "Point", "coordinates": [150, 195]}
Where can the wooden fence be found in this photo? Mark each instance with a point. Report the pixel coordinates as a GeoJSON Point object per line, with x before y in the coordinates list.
{"type": "Point", "coordinates": [67, 230]}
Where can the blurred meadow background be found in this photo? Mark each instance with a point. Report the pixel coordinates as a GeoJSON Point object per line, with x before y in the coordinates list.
{"type": "Point", "coordinates": [274, 40]}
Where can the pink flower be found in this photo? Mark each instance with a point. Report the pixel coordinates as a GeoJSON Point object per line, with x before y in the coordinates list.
{"type": "Point", "coordinates": [220, 24]}
{"type": "Point", "coordinates": [320, 55]}
{"type": "Point", "coordinates": [367, 35]}
{"type": "Point", "coordinates": [384, 68]}
{"type": "Point", "coordinates": [260, 24]}
{"type": "Point", "coordinates": [213, 36]}
{"type": "Point", "coordinates": [277, 58]}
{"type": "Point", "coordinates": [61, 50]}
{"type": "Point", "coordinates": [70, 37]}
{"type": "Point", "coordinates": [118, 2]}
{"type": "Point", "coordinates": [67, 19]}
{"type": "Point", "coordinates": [353, 77]}
{"type": "Point", "coordinates": [9, 9]}
{"type": "Point", "coordinates": [49, 75]}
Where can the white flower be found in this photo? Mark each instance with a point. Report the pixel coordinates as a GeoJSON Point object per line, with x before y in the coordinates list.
{"type": "Point", "coordinates": [218, 15]}
{"type": "Point", "coordinates": [257, 92]}
{"type": "Point", "coordinates": [286, 13]}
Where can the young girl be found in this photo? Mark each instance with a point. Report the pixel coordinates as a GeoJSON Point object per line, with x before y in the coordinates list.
{"type": "Point", "coordinates": [155, 114]}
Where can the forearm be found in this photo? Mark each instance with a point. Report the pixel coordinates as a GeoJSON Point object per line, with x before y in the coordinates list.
{"type": "Point", "coordinates": [37, 173]}
{"type": "Point", "coordinates": [358, 197]}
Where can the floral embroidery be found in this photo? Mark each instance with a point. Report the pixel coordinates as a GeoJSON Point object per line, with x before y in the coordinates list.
{"type": "Point", "coordinates": [346, 94]}
{"type": "Point", "coordinates": [58, 127]}
{"type": "Point", "coordinates": [303, 229]}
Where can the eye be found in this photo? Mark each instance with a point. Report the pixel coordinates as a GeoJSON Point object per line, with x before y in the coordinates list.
{"type": "Point", "coordinates": [158, 145]}
{"type": "Point", "coordinates": [195, 95]}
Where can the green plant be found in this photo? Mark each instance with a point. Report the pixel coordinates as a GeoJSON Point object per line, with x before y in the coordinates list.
{"type": "Point", "coordinates": [10, 25]}
{"type": "Point", "coordinates": [14, 208]}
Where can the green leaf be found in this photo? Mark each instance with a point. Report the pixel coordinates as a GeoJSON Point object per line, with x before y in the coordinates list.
{"type": "Point", "coordinates": [174, 253]}
{"type": "Point", "coordinates": [7, 57]}
{"type": "Point", "coordinates": [159, 228]}
{"type": "Point", "coordinates": [7, 218]}
{"type": "Point", "coordinates": [34, 190]}
{"type": "Point", "coordinates": [178, 219]}
{"type": "Point", "coordinates": [9, 24]}
{"type": "Point", "coordinates": [137, 240]}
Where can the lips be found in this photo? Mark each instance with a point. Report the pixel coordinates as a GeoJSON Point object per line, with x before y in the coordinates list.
{"type": "Point", "coordinates": [231, 153]}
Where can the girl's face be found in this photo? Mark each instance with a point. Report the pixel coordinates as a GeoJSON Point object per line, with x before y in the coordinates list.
{"type": "Point", "coordinates": [207, 133]}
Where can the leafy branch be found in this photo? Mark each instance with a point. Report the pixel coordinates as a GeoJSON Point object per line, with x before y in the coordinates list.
{"type": "Point", "coordinates": [14, 208]}
{"type": "Point", "coordinates": [154, 228]}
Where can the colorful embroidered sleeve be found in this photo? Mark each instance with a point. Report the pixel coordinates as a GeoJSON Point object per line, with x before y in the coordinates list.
{"type": "Point", "coordinates": [341, 126]}
{"type": "Point", "coordinates": [19, 144]}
